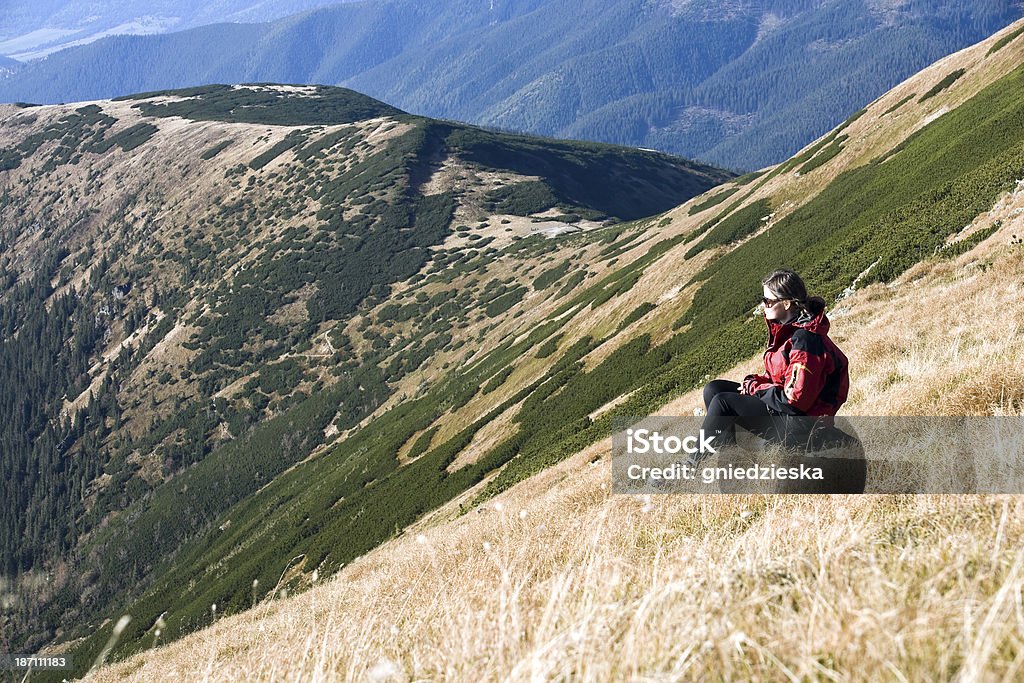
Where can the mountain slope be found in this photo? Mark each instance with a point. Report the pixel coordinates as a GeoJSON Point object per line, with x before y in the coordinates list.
{"type": "Point", "coordinates": [923, 175]}
{"type": "Point", "coordinates": [553, 577]}
{"type": "Point", "coordinates": [198, 289]}
{"type": "Point", "coordinates": [741, 84]}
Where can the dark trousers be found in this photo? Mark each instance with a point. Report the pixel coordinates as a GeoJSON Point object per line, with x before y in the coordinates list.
{"type": "Point", "coordinates": [844, 473]}
{"type": "Point", "coordinates": [726, 408]}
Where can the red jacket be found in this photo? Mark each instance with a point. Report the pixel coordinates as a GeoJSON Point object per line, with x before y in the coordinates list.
{"type": "Point", "coordinates": [806, 373]}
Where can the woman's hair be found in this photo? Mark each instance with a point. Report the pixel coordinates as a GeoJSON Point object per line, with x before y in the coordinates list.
{"type": "Point", "coordinates": [787, 285]}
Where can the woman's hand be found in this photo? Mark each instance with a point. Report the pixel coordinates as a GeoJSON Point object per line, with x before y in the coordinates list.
{"type": "Point", "coordinates": [753, 385]}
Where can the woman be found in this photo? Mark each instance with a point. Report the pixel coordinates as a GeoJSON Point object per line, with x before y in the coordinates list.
{"type": "Point", "coordinates": [805, 372]}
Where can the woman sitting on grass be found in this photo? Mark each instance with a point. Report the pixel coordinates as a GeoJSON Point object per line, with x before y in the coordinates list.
{"type": "Point", "coordinates": [805, 372]}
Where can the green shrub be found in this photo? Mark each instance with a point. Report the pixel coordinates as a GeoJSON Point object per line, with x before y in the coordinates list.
{"type": "Point", "coordinates": [899, 104]}
{"type": "Point", "coordinates": [293, 139]}
{"type": "Point", "coordinates": [549, 347]}
{"type": "Point", "coordinates": [634, 315]}
{"type": "Point", "coordinates": [497, 380]}
{"type": "Point", "coordinates": [1005, 40]}
{"type": "Point", "coordinates": [734, 228]}
{"type": "Point", "coordinates": [965, 245]}
{"type": "Point", "coordinates": [216, 149]}
{"type": "Point", "coordinates": [551, 276]}
{"type": "Point", "coordinates": [717, 198]}
{"type": "Point", "coordinates": [943, 84]}
{"type": "Point", "coordinates": [825, 155]}
{"type": "Point", "coordinates": [521, 199]}
{"type": "Point", "coordinates": [505, 301]}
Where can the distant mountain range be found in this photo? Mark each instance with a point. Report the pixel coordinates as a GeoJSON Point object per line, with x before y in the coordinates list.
{"type": "Point", "coordinates": [740, 84]}
{"type": "Point", "coordinates": [30, 29]}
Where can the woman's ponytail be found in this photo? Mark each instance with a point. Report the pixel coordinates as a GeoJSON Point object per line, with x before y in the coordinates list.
{"type": "Point", "coordinates": [787, 285]}
{"type": "Point", "coordinates": [812, 305]}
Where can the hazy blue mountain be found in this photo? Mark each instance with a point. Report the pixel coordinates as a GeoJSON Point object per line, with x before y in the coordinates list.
{"type": "Point", "coordinates": [741, 84]}
{"type": "Point", "coordinates": [33, 28]}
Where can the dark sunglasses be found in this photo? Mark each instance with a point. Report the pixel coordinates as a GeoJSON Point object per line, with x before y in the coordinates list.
{"type": "Point", "coordinates": [768, 303]}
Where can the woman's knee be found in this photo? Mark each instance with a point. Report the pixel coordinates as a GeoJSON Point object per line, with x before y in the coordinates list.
{"type": "Point", "coordinates": [719, 405]}
{"type": "Point", "coordinates": [717, 386]}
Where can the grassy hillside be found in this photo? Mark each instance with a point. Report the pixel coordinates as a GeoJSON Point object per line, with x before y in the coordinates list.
{"type": "Point", "coordinates": [638, 320]}
{"type": "Point", "coordinates": [554, 577]}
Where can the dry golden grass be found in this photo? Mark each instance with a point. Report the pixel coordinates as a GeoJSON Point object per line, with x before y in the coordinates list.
{"type": "Point", "coordinates": [945, 340]}
{"type": "Point", "coordinates": [560, 580]}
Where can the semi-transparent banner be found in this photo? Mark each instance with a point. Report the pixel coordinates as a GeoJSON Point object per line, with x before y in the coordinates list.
{"type": "Point", "coordinates": [788, 454]}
